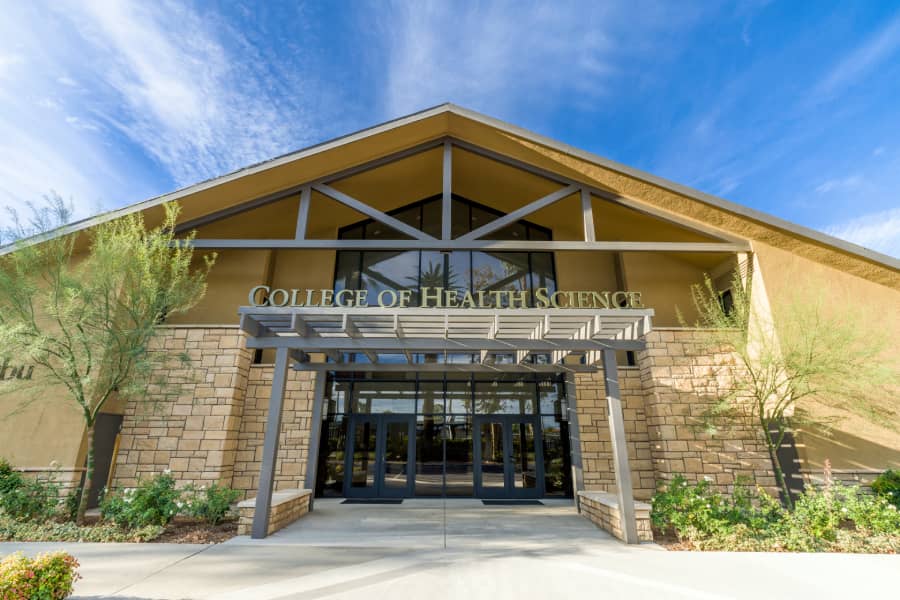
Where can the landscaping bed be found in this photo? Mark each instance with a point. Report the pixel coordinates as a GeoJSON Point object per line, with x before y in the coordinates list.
{"type": "Point", "coordinates": [155, 511]}
{"type": "Point", "coordinates": [834, 518]}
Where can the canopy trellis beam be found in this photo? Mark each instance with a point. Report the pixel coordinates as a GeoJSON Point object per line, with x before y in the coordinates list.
{"type": "Point", "coordinates": [468, 244]}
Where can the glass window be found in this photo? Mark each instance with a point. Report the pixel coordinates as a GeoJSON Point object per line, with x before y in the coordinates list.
{"type": "Point", "coordinates": [550, 395]}
{"type": "Point", "coordinates": [459, 397]}
{"type": "Point", "coordinates": [377, 271]}
{"type": "Point", "coordinates": [429, 456]}
{"type": "Point", "coordinates": [431, 217]}
{"type": "Point", "coordinates": [504, 398]}
{"type": "Point", "coordinates": [337, 397]}
{"type": "Point", "coordinates": [388, 271]}
{"type": "Point", "coordinates": [330, 472]}
{"type": "Point", "coordinates": [371, 397]}
{"type": "Point", "coordinates": [495, 271]}
{"type": "Point", "coordinates": [460, 218]}
{"type": "Point", "coordinates": [431, 398]}
{"type": "Point", "coordinates": [543, 275]}
{"type": "Point", "coordinates": [347, 271]}
{"type": "Point", "coordinates": [557, 466]}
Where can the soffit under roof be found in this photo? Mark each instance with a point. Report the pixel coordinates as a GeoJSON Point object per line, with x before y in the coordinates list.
{"type": "Point", "coordinates": [448, 120]}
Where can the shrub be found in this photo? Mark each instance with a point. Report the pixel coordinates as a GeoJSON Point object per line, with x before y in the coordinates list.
{"type": "Point", "coordinates": [887, 485]}
{"type": "Point", "coordinates": [9, 479]}
{"type": "Point", "coordinates": [46, 577]}
{"type": "Point", "coordinates": [154, 502]}
{"type": "Point", "coordinates": [12, 530]}
{"type": "Point", "coordinates": [834, 518]}
{"type": "Point", "coordinates": [211, 503]}
{"type": "Point", "coordinates": [26, 498]}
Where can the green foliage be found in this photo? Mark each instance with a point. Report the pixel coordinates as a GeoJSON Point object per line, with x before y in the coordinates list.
{"type": "Point", "coordinates": [83, 307]}
{"type": "Point", "coordinates": [154, 502]}
{"type": "Point", "coordinates": [12, 530]}
{"type": "Point", "coordinates": [211, 504]}
{"type": "Point", "coordinates": [887, 485]}
{"type": "Point", "coordinates": [9, 479]}
{"type": "Point", "coordinates": [835, 518]}
{"type": "Point", "coordinates": [45, 577]}
{"type": "Point", "coordinates": [26, 498]}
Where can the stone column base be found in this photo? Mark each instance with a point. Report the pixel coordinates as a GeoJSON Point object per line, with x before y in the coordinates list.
{"type": "Point", "coordinates": [602, 509]}
{"type": "Point", "coordinates": [287, 507]}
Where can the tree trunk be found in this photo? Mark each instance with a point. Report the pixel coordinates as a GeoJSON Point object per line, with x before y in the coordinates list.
{"type": "Point", "coordinates": [88, 475]}
{"type": "Point", "coordinates": [772, 445]}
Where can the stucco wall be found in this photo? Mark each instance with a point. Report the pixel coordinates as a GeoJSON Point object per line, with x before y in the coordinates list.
{"type": "Point", "coordinates": [848, 439]}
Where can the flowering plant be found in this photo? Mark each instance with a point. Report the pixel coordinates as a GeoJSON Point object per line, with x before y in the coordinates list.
{"type": "Point", "coordinates": [46, 577]}
{"type": "Point", "coordinates": [154, 502]}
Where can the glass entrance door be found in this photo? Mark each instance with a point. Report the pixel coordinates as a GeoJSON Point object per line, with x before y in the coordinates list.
{"type": "Point", "coordinates": [381, 452]}
{"type": "Point", "coordinates": [508, 461]}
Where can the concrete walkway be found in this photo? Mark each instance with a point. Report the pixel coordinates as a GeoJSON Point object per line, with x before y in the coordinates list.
{"type": "Point", "coordinates": [381, 551]}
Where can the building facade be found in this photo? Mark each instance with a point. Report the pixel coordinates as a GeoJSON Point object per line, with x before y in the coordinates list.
{"type": "Point", "coordinates": [447, 305]}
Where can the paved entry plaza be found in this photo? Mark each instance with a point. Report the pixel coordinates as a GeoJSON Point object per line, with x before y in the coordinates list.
{"type": "Point", "coordinates": [343, 551]}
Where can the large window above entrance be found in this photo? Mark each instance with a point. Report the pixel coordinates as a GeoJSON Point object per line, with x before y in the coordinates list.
{"type": "Point", "coordinates": [377, 271]}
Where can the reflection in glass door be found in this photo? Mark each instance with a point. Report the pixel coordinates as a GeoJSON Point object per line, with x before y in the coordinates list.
{"type": "Point", "coordinates": [381, 453]}
{"type": "Point", "coordinates": [508, 460]}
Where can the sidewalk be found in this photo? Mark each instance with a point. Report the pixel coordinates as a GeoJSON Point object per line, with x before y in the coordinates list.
{"type": "Point", "coordinates": [515, 553]}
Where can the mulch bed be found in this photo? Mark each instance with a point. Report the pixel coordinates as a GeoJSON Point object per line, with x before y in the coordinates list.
{"type": "Point", "coordinates": [191, 532]}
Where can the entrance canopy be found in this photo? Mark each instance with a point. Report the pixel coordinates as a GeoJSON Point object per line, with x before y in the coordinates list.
{"type": "Point", "coordinates": [504, 339]}
{"type": "Point", "coordinates": [495, 339]}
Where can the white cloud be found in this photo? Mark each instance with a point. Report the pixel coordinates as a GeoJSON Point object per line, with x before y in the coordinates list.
{"type": "Point", "coordinates": [878, 231]}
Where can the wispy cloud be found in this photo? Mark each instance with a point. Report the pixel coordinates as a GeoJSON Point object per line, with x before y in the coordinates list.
{"type": "Point", "coordinates": [877, 48]}
{"type": "Point", "coordinates": [183, 94]}
{"type": "Point", "coordinates": [99, 98]}
{"type": "Point", "coordinates": [504, 56]}
{"type": "Point", "coordinates": [846, 183]}
{"type": "Point", "coordinates": [878, 231]}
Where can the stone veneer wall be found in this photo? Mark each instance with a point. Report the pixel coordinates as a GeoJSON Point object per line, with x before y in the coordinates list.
{"type": "Point", "coordinates": [596, 448]}
{"type": "Point", "coordinates": [293, 442]}
{"type": "Point", "coordinates": [193, 427]}
{"type": "Point", "coordinates": [680, 383]}
{"type": "Point", "coordinates": [212, 429]}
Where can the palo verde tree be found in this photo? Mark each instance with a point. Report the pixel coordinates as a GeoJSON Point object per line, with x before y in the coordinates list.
{"type": "Point", "coordinates": [799, 350]}
{"type": "Point", "coordinates": [84, 309]}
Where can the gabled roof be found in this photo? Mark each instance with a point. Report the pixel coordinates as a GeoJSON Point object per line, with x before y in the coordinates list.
{"type": "Point", "coordinates": [450, 110]}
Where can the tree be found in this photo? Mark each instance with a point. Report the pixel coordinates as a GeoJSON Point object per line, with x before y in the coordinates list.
{"type": "Point", "coordinates": [84, 311]}
{"type": "Point", "coordinates": [803, 350]}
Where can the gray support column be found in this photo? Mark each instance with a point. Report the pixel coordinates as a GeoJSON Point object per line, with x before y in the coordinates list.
{"type": "Point", "coordinates": [270, 447]}
{"type": "Point", "coordinates": [315, 434]}
{"type": "Point", "coordinates": [619, 447]}
{"type": "Point", "coordinates": [574, 438]}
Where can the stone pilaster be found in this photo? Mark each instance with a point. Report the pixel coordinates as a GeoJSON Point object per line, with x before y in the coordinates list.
{"type": "Point", "coordinates": [190, 426]}
{"type": "Point", "coordinates": [681, 383]}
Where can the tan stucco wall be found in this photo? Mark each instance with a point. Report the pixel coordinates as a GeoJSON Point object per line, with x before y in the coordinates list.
{"type": "Point", "coordinates": [36, 430]}
{"type": "Point", "coordinates": [850, 441]}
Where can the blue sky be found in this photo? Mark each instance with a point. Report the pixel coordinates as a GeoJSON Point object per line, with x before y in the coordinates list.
{"type": "Point", "coordinates": [790, 107]}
